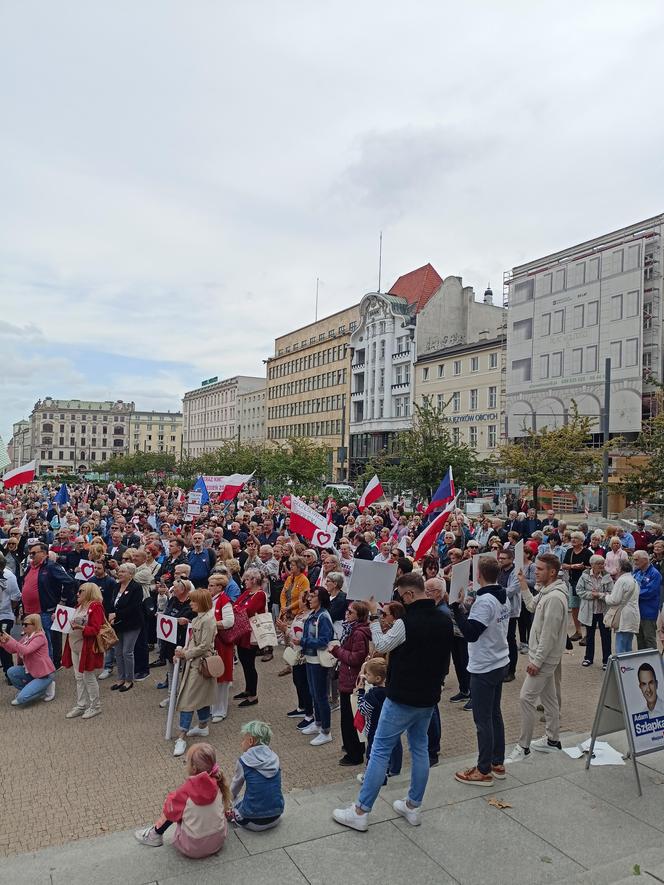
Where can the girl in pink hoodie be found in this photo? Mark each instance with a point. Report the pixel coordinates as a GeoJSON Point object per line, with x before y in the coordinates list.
{"type": "Point", "coordinates": [198, 807]}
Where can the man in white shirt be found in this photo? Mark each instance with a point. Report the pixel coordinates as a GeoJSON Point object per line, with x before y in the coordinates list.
{"type": "Point", "coordinates": [485, 630]}
{"type": "Point", "coordinates": [648, 685]}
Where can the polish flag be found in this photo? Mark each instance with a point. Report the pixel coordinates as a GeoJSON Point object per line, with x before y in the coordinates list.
{"type": "Point", "coordinates": [19, 476]}
{"type": "Point", "coordinates": [373, 492]}
{"type": "Point", "coordinates": [286, 501]}
{"type": "Point", "coordinates": [310, 524]}
{"type": "Point", "coordinates": [328, 509]}
{"type": "Point", "coordinates": [226, 487]}
{"type": "Point", "coordinates": [423, 542]}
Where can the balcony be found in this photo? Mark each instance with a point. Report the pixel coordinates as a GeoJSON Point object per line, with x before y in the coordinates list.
{"type": "Point", "coordinates": [401, 386]}
{"type": "Point", "coordinates": [357, 367]}
{"type": "Point", "coordinates": [401, 355]}
{"type": "Point", "coordinates": [357, 395]}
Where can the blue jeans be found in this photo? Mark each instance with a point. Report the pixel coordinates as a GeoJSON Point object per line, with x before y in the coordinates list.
{"type": "Point", "coordinates": [394, 720]}
{"type": "Point", "coordinates": [29, 689]}
{"type": "Point", "coordinates": [317, 680]}
{"type": "Point", "coordinates": [47, 620]}
{"type": "Point", "coordinates": [187, 716]}
{"type": "Point", "coordinates": [624, 642]}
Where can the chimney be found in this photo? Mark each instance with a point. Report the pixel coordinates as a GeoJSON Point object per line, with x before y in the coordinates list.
{"type": "Point", "coordinates": [488, 295]}
{"type": "Point", "coordinates": [484, 335]}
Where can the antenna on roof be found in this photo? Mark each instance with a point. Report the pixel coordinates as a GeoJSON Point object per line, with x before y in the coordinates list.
{"type": "Point", "coordinates": [316, 317]}
{"type": "Point", "coordinates": [380, 258]}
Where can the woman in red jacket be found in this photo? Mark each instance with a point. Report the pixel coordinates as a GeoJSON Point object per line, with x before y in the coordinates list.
{"type": "Point", "coordinates": [79, 651]}
{"type": "Point", "coordinates": [223, 612]}
{"type": "Point", "coordinates": [351, 654]}
{"type": "Point", "coordinates": [254, 602]}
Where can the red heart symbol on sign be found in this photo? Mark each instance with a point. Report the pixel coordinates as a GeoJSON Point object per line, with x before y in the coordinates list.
{"type": "Point", "coordinates": [324, 539]}
{"type": "Point", "coordinates": [87, 570]}
{"type": "Point", "coordinates": [166, 627]}
{"type": "Point", "coordinates": [62, 616]}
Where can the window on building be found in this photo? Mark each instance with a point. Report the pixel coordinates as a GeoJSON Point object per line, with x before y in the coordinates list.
{"type": "Point", "coordinates": [591, 358]}
{"type": "Point", "coordinates": [546, 324]}
{"type": "Point", "coordinates": [492, 398]}
{"type": "Point", "coordinates": [558, 324]}
{"type": "Point", "coordinates": [592, 313]}
{"type": "Point", "coordinates": [647, 361]}
{"type": "Point", "coordinates": [425, 373]}
{"type": "Point", "coordinates": [523, 330]}
{"type": "Point", "coordinates": [493, 360]}
{"type": "Point", "coordinates": [631, 351]}
{"type": "Point", "coordinates": [577, 360]}
{"type": "Point", "coordinates": [556, 364]}
{"type": "Point", "coordinates": [456, 367]}
{"type": "Point", "coordinates": [523, 291]}
{"type": "Point", "coordinates": [472, 400]}
{"type": "Point", "coordinates": [456, 401]}
{"type": "Point", "coordinates": [559, 280]}
{"type": "Point", "coordinates": [381, 408]}
{"type": "Point", "coordinates": [544, 366]}
{"type": "Point", "coordinates": [472, 436]}
{"type": "Point", "coordinates": [456, 436]}
{"type": "Point", "coordinates": [475, 363]}
{"type": "Point", "coordinates": [440, 402]}
{"type": "Point", "coordinates": [521, 370]}
{"type": "Point", "coordinates": [632, 304]}
{"type": "Point", "coordinates": [616, 307]}
{"type": "Point", "coordinates": [441, 370]}
{"type": "Point", "coordinates": [617, 261]}
{"type": "Point", "coordinates": [579, 311]}
{"type": "Point", "coordinates": [546, 283]}
{"type": "Point", "coordinates": [616, 354]}
{"type": "Point", "coordinates": [593, 270]}
{"type": "Point", "coordinates": [382, 350]}
{"type": "Point", "coordinates": [491, 436]}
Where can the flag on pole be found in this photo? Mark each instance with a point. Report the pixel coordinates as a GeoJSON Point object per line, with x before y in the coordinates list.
{"type": "Point", "coordinates": [199, 486]}
{"type": "Point", "coordinates": [328, 508]}
{"type": "Point", "coordinates": [372, 492]}
{"type": "Point", "coordinates": [286, 501]}
{"type": "Point", "coordinates": [443, 494]}
{"type": "Point", "coordinates": [62, 496]}
{"type": "Point", "coordinates": [19, 475]}
{"type": "Point", "coordinates": [310, 524]}
{"type": "Point", "coordinates": [422, 543]}
{"type": "Point", "coordinates": [226, 487]}
{"type": "Point", "coordinates": [23, 524]}
{"type": "Point", "coordinates": [586, 510]}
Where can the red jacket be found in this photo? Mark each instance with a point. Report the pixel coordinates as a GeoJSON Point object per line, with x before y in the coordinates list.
{"type": "Point", "coordinates": [351, 655]}
{"type": "Point", "coordinates": [253, 604]}
{"type": "Point", "coordinates": [90, 659]}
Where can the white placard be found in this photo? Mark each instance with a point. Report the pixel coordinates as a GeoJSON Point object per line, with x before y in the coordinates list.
{"type": "Point", "coordinates": [85, 570]}
{"type": "Point", "coordinates": [459, 580]}
{"type": "Point", "coordinates": [324, 537]}
{"type": "Point", "coordinates": [194, 503]}
{"type": "Point", "coordinates": [518, 557]}
{"type": "Point", "coordinates": [167, 628]}
{"type": "Point", "coordinates": [62, 619]}
{"type": "Point", "coordinates": [476, 586]}
{"type": "Point", "coordinates": [371, 578]}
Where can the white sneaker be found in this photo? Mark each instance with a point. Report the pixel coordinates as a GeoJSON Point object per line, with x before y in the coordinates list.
{"type": "Point", "coordinates": [310, 729]}
{"type": "Point", "coordinates": [105, 674]}
{"type": "Point", "coordinates": [518, 754]}
{"type": "Point", "coordinates": [91, 712]}
{"type": "Point", "coordinates": [180, 747]}
{"type": "Point", "coordinates": [321, 738]}
{"type": "Point", "coordinates": [360, 777]}
{"type": "Point", "coordinates": [165, 702]}
{"type": "Point", "coordinates": [197, 731]}
{"type": "Point", "coordinates": [350, 818]}
{"type": "Point", "coordinates": [218, 718]}
{"type": "Point", "coordinates": [542, 745]}
{"type": "Point", "coordinates": [412, 815]}
{"type": "Point", "coordinates": [50, 692]}
{"type": "Point", "coordinates": [149, 836]}
{"type": "Point", "coordinates": [74, 712]}
{"type": "Point", "coordinates": [15, 703]}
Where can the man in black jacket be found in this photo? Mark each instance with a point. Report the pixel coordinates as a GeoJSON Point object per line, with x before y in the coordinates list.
{"type": "Point", "coordinates": [420, 647]}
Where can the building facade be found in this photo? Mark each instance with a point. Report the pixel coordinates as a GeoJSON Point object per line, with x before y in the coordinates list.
{"type": "Point", "coordinates": [383, 356]}
{"type": "Point", "coordinates": [251, 411]}
{"type": "Point", "coordinates": [19, 447]}
{"type": "Point", "coordinates": [466, 383]}
{"type": "Point", "coordinates": [75, 436]}
{"type": "Point", "coordinates": [571, 311]}
{"type": "Point", "coordinates": [156, 432]}
{"type": "Point", "coordinates": [209, 413]}
{"type": "Point", "coordinates": [308, 386]}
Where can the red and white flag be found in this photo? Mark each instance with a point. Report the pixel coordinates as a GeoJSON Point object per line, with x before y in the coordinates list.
{"type": "Point", "coordinates": [286, 501]}
{"type": "Point", "coordinates": [422, 543]}
{"type": "Point", "coordinates": [372, 492]}
{"type": "Point", "coordinates": [328, 508]}
{"type": "Point", "coordinates": [19, 476]}
{"type": "Point", "coordinates": [226, 487]}
{"type": "Point", "coordinates": [306, 521]}
{"type": "Point", "coordinates": [586, 510]}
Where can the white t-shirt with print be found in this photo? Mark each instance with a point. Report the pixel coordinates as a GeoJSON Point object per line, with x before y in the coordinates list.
{"type": "Point", "coordinates": [490, 651]}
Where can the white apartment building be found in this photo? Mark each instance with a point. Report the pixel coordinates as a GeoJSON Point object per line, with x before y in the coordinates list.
{"type": "Point", "coordinates": [209, 413]}
{"type": "Point", "coordinates": [569, 312]}
{"type": "Point", "coordinates": [251, 411]}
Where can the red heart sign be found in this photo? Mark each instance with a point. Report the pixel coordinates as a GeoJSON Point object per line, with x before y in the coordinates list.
{"type": "Point", "coordinates": [87, 570]}
{"type": "Point", "coordinates": [324, 539]}
{"type": "Point", "coordinates": [166, 627]}
{"type": "Point", "coordinates": [62, 616]}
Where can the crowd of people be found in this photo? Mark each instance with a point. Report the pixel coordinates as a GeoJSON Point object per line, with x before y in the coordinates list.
{"type": "Point", "coordinates": [120, 557]}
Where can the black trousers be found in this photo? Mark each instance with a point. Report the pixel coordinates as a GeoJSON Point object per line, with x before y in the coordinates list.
{"type": "Point", "coordinates": [349, 736]}
{"type": "Point", "coordinates": [486, 690]}
{"type": "Point", "coordinates": [460, 659]}
{"type": "Point", "coordinates": [301, 684]}
{"type": "Point", "coordinates": [247, 658]}
{"type": "Point", "coordinates": [511, 644]}
{"type": "Point", "coordinates": [525, 622]}
{"type": "Point", "coordinates": [5, 658]}
{"type": "Point", "coordinates": [605, 636]}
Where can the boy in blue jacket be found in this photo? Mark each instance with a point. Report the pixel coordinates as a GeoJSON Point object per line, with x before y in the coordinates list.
{"type": "Point", "coordinates": [258, 770]}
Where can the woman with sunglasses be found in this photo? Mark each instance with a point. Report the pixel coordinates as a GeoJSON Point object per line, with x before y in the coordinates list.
{"type": "Point", "coordinates": [318, 632]}
{"type": "Point", "coordinates": [35, 671]}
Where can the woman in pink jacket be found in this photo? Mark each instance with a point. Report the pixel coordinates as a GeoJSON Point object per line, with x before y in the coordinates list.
{"type": "Point", "coordinates": [35, 671]}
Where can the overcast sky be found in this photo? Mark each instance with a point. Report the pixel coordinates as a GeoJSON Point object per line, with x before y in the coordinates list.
{"type": "Point", "coordinates": [175, 175]}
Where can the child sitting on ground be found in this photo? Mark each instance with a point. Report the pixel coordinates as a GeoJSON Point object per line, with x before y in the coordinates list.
{"type": "Point", "coordinates": [369, 704]}
{"type": "Point", "coordinates": [198, 807]}
{"type": "Point", "coordinates": [258, 770]}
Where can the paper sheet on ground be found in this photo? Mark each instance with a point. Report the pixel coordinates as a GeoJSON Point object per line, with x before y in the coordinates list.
{"type": "Point", "coordinates": [603, 753]}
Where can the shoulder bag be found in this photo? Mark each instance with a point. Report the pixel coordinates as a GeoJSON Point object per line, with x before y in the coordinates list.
{"type": "Point", "coordinates": [241, 627]}
{"type": "Point", "coordinates": [105, 639]}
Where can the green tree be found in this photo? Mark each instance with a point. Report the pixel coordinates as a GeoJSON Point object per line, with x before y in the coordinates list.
{"type": "Point", "coordinates": [561, 456]}
{"type": "Point", "coordinates": [428, 449]}
{"type": "Point", "coordinates": [298, 464]}
{"type": "Point", "coordinates": [140, 463]}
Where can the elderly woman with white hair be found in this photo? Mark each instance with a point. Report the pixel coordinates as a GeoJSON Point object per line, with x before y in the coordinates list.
{"type": "Point", "coordinates": [614, 556]}
{"type": "Point", "coordinates": [576, 561]}
{"type": "Point", "coordinates": [127, 621]}
{"type": "Point", "coordinates": [592, 589]}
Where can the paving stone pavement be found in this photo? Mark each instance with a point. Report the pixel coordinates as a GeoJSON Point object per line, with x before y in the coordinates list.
{"type": "Point", "coordinates": [65, 780]}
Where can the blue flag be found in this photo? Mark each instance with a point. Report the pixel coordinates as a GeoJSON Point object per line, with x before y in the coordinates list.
{"type": "Point", "coordinates": [201, 487]}
{"type": "Point", "coordinates": [62, 496]}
